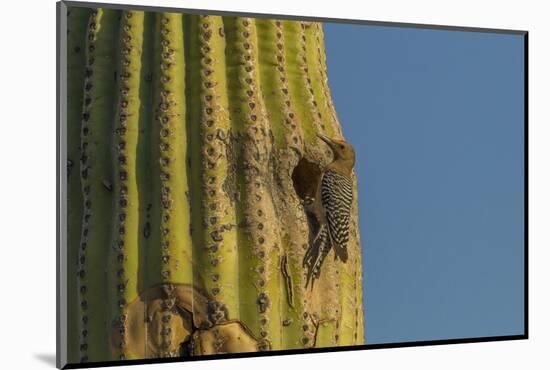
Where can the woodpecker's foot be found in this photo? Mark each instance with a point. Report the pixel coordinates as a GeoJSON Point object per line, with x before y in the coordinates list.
{"type": "Point", "coordinates": [307, 202]}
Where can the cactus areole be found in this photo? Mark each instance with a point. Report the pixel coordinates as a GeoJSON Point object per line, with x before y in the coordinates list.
{"type": "Point", "coordinates": [193, 149]}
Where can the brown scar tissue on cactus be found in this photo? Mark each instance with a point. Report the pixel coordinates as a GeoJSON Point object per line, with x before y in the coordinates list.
{"type": "Point", "coordinates": [193, 152]}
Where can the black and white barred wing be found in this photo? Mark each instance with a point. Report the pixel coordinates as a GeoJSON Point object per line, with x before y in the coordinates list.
{"type": "Point", "coordinates": [337, 198]}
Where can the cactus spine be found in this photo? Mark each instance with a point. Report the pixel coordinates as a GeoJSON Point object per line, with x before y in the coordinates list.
{"type": "Point", "coordinates": [195, 138]}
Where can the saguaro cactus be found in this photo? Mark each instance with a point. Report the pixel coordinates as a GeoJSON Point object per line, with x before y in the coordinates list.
{"type": "Point", "coordinates": [192, 148]}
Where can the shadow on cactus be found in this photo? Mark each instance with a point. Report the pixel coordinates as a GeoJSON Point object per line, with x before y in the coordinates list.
{"type": "Point", "coordinates": [202, 199]}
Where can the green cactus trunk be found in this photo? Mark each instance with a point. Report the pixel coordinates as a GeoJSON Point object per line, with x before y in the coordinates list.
{"type": "Point", "coordinates": [195, 140]}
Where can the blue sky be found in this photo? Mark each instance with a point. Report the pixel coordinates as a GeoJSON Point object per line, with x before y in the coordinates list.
{"type": "Point", "coordinates": [436, 118]}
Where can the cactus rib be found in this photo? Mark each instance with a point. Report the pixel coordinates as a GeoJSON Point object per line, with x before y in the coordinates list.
{"type": "Point", "coordinates": [76, 63]}
{"type": "Point", "coordinates": [124, 246]}
{"type": "Point", "coordinates": [96, 177]}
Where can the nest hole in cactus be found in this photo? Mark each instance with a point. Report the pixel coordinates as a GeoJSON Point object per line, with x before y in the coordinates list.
{"type": "Point", "coordinates": [305, 178]}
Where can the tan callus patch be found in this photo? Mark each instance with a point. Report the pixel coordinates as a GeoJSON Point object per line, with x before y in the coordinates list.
{"type": "Point", "coordinates": [148, 334]}
{"type": "Point", "coordinates": [229, 337]}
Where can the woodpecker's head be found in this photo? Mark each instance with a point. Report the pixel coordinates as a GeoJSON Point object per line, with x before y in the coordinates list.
{"type": "Point", "coordinates": [342, 150]}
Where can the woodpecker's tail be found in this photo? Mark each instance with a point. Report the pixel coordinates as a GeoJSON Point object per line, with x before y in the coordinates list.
{"type": "Point", "coordinates": [316, 254]}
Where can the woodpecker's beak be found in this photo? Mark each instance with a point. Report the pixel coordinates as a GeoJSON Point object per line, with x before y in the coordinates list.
{"type": "Point", "coordinates": [327, 140]}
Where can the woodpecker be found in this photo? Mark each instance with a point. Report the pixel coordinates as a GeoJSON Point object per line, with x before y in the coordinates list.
{"type": "Point", "coordinates": [332, 208]}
